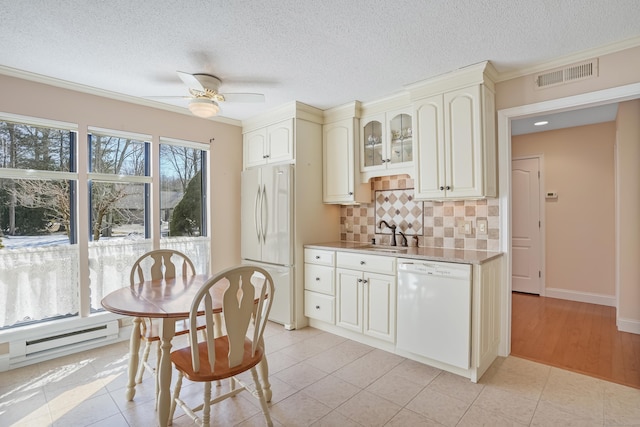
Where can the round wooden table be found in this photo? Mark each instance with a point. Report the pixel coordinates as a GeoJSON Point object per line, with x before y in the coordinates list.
{"type": "Point", "coordinates": [169, 300]}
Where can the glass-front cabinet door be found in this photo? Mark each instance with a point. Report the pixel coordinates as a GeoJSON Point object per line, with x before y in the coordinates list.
{"type": "Point", "coordinates": [386, 143]}
{"type": "Point", "coordinates": [400, 137]}
{"type": "Point", "coordinates": [374, 153]}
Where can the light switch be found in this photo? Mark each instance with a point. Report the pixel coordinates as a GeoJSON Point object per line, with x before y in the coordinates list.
{"type": "Point", "coordinates": [467, 227]}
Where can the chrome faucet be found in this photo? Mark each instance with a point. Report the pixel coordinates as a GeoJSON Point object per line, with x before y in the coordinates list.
{"type": "Point", "coordinates": [393, 230]}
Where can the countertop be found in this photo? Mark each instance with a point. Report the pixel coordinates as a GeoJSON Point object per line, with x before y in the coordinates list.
{"type": "Point", "coordinates": [425, 253]}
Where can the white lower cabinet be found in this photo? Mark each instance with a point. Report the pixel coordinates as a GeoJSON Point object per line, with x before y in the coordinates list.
{"type": "Point", "coordinates": [366, 301]}
{"type": "Point", "coordinates": [319, 306]}
{"type": "Point", "coordinates": [355, 295]}
{"type": "Point", "coordinates": [319, 285]}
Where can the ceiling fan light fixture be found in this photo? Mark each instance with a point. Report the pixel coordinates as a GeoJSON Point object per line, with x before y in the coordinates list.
{"type": "Point", "coordinates": [202, 107]}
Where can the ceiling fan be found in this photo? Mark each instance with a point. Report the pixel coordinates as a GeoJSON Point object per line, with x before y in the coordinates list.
{"type": "Point", "coordinates": [205, 95]}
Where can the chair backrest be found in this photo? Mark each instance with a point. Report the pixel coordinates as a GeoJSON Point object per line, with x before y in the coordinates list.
{"type": "Point", "coordinates": [161, 264]}
{"type": "Point", "coordinates": [249, 293]}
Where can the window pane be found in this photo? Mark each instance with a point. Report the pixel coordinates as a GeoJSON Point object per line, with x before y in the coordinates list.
{"type": "Point", "coordinates": [117, 210]}
{"type": "Point", "coordinates": [110, 262]}
{"type": "Point", "coordinates": [39, 273]}
{"type": "Point", "coordinates": [119, 156]}
{"type": "Point", "coordinates": [29, 147]}
{"type": "Point", "coordinates": [35, 212]}
{"type": "Point", "coordinates": [181, 197]}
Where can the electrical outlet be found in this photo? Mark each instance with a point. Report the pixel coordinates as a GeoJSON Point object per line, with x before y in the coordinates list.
{"type": "Point", "coordinates": [482, 226]}
{"type": "Point", "coordinates": [467, 227]}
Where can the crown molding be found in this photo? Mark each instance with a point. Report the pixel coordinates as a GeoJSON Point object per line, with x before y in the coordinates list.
{"type": "Point", "coordinates": [64, 84]}
{"type": "Point", "coordinates": [570, 59]}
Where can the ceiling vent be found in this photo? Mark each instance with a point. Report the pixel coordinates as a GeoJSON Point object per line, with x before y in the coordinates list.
{"type": "Point", "coordinates": [570, 73]}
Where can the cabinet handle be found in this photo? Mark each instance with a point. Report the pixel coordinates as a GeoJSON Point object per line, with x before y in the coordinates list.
{"type": "Point", "coordinates": [359, 280]}
{"type": "Point", "coordinates": [317, 279]}
{"type": "Point", "coordinates": [448, 187]}
{"type": "Point", "coordinates": [362, 262]}
{"type": "Point", "coordinates": [388, 160]}
{"type": "Point", "coordinates": [351, 193]}
{"type": "Point", "coordinates": [266, 156]}
{"type": "Point", "coordinates": [365, 281]}
{"type": "Point", "coordinates": [317, 307]}
{"type": "Point", "coordinates": [441, 188]}
{"type": "Point", "coordinates": [317, 256]}
{"type": "Point", "coordinates": [383, 160]}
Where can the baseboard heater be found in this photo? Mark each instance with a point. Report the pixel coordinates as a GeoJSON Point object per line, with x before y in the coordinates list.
{"type": "Point", "coordinates": [59, 343]}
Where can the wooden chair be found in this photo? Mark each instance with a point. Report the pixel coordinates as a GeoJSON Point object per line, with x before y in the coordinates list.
{"type": "Point", "coordinates": [249, 294]}
{"type": "Point", "coordinates": [155, 265]}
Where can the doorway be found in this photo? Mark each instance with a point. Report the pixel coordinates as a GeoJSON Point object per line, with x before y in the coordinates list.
{"type": "Point", "coordinates": [505, 116]}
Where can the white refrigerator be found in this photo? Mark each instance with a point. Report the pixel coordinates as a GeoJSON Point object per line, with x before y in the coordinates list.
{"type": "Point", "coordinates": [267, 232]}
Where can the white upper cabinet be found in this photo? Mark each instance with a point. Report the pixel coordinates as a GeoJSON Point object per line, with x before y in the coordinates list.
{"type": "Point", "coordinates": [386, 143]}
{"type": "Point", "coordinates": [340, 178]}
{"type": "Point", "coordinates": [271, 144]}
{"type": "Point", "coordinates": [456, 144]}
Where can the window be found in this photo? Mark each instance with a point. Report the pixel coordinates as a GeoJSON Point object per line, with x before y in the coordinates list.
{"type": "Point", "coordinates": [119, 186]}
{"type": "Point", "coordinates": [47, 207]}
{"type": "Point", "coordinates": [39, 277]}
{"type": "Point", "coordinates": [183, 200]}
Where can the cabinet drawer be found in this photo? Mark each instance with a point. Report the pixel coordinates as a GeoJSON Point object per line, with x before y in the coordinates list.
{"type": "Point", "coordinates": [318, 256]}
{"type": "Point", "coordinates": [364, 262]}
{"type": "Point", "coordinates": [319, 306]}
{"type": "Point", "coordinates": [319, 278]}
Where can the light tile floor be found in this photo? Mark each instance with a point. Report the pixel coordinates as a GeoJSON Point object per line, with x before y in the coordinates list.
{"type": "Point", "coordinates": [321, 379]}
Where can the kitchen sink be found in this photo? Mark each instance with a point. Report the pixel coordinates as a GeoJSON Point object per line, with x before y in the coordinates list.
{"type": "Point", "coordinates": [385, 249]}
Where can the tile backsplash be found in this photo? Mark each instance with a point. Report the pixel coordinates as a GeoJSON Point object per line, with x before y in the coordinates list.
{"type": "Point", "coordinates": [437, 224]}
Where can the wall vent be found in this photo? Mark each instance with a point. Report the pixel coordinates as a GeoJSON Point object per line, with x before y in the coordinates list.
{"type": "Point", "coordinates": [571, 73]}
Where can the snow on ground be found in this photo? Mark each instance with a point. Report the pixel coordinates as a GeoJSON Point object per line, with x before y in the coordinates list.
{"type": "Point", "coordinates": [55, 239]}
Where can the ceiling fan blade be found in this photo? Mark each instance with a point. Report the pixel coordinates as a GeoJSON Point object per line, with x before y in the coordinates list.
{"type": "Point", "coordinates": [191, 81]}
{"type": "Point", "coordinates": [243, 97]}
{"type": "Point", "coordinates": [168, 97]}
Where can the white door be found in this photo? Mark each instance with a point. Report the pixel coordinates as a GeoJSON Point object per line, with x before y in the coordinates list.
{"type": "Point", "coordinates": [349, 299]}
{"type": "Point", "coordinates": [429, 128]}
{"type": "Point", "coordinates": [338, 162]}
{"type": "Point", "coordinates": [255, 143]}
{"type": "Point", "coordinates": [463, 142]}
{"type": "Point", "coordinates": [276, 214]}
{"type": "Point", "coordinates": [280, 141]}
{"type": "Point", "coordinates": [250, 199]}
{"type": "Point", "coordinates": [380, 306]}
{"type": "Point", "coordinates": [525, 220]}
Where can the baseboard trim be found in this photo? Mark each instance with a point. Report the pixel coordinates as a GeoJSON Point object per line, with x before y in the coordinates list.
{"type": "Point", "coordinates": [628, 325]}
{"type": "Point", "coordinates": [591, 298]}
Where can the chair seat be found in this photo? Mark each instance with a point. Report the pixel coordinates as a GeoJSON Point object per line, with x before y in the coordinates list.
{"type": "Point", "coordinates": [182, 360]}
{"type": "Point", "coordinates": [152, 333]}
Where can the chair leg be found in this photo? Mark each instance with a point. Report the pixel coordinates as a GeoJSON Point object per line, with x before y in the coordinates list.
{"type": "Point", "coordinates": [263, 401]}
{"type": "Point", "coordinates": [176, 395]}
{"type": "Point", "coordinates": [159, 353]}
{"type": "Point", "coordinates": [206, 410]}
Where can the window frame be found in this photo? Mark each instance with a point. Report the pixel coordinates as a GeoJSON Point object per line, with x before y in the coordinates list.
{"type": "Point", "coordinates": [80, 176]}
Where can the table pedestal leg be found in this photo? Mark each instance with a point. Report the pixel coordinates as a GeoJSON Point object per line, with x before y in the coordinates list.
{"type": "Point", "coordinates": [134, 348]}
{"type": "Point", "coordinates": [167, 330]}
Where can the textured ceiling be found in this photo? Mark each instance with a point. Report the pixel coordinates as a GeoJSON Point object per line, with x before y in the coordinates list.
{"type": "Point", "coordinates": [323, 53]}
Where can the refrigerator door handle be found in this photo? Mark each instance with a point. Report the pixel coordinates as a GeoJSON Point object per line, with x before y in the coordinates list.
{"type": "Point", "coordinates": [258, 208]}
{"type": "Point", "coordinates": [265, 214]}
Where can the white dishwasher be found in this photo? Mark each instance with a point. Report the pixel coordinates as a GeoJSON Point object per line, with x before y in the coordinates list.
{"type": "Point", "coordinates": [434, 310]}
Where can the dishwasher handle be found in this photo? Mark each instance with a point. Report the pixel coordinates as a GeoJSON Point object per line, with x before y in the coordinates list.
{"type": "Point", "coordinates": [438, 269]}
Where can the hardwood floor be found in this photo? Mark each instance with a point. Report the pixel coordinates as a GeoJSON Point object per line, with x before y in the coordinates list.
{"type": "Point", "coordinates": [575, 336]}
